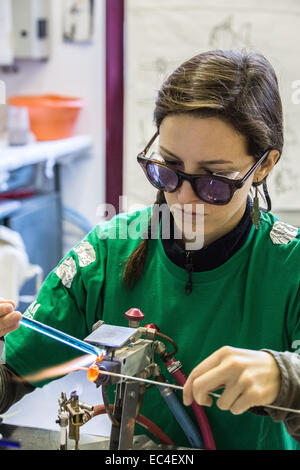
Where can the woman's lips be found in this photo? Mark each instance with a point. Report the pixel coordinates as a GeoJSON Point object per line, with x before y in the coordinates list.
{"type": "Point", "coordinates": [193, 213]}
{"type": "Point", "coordinates": [187, 212]}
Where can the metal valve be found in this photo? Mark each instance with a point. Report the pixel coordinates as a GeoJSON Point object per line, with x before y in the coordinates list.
{"type": "Point", "coordinates": [134, 316]}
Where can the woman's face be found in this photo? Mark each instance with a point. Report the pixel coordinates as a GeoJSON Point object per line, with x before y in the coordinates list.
{"type": "Point", "coordinates": [198, 145]}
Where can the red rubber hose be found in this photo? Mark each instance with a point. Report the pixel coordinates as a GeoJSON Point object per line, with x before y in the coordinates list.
{"type": "Point", "coordinates": [143, 421]}
{"type": "Point", "coordinates": [200, 414]}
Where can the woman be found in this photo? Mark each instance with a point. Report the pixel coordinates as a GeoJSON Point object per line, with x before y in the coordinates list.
{"type": "Point", "coordinates": [230, 301]}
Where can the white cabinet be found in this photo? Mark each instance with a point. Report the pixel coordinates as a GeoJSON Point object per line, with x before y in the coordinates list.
{"type": "Point", "coordinates": [6, 33]}
{"type": "Point", "coordinates": [31, 29]}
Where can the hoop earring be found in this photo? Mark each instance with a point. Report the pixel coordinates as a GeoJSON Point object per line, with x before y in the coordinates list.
{"type": "Point", "coordinates": [255, 213]}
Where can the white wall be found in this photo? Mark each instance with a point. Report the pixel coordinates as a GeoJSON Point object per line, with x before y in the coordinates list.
{"type": "Point", "coordinates": [74, 70]}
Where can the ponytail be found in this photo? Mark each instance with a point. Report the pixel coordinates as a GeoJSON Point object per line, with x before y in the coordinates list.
{"type": "Point", "coordinates": [134, 265]}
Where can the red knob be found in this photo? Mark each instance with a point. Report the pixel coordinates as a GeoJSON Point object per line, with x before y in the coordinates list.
{"type": "Point", "coordinates": [153, 326]}
{"type": "Point", "coordinates": [135, 315]}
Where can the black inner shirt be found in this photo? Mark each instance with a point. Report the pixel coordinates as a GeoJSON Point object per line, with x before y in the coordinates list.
{"type": "Point", "coordinates": [213, 255]}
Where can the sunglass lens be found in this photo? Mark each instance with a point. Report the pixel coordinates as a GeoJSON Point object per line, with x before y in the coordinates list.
{"type": "Point", "coordinates": [162, 178]}
{"type": "Point", "coordinates": [213, 191]}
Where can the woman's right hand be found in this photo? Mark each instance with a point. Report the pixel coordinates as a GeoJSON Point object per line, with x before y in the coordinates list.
{"type": "Point", "coordinates": [9, 318]}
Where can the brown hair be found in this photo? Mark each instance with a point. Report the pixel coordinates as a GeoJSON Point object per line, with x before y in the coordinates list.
{"type": "Point", "coordinates": [240, 88]}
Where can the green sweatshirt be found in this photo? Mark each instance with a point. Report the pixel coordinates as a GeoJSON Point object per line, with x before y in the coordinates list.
{"type": "Point", "coordinates": [252, 301]}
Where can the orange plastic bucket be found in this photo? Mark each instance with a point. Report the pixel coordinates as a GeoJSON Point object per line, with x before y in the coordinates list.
{"type": "Point", "coordinates": [52, 117]}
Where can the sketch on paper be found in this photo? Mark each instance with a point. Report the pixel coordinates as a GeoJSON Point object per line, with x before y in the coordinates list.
{"type": "Point", "coordinates": [227, 36]}
{"type": "Point", "coordinates": [284, 179]}
{"type": "Point", "coordinates": [170, 32]}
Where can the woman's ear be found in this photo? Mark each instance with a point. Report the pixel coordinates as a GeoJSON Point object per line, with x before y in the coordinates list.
{"type": "Point", "coordinates": [265, 168]}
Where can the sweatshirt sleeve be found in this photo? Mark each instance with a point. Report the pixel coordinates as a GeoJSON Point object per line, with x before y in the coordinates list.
{"type": "Point", "coordinates": [289, 366]}
{"type": "Point", "coordinates": [288, 362]}
{"type": "Point", "coordinates": [289, 393]}
{"type": "Point", "coordinates": [12, 389]}
{"type": "Point", "coordinates": [69, 300]}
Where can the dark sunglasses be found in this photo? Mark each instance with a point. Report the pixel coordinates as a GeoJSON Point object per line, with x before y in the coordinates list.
{"type": "Point", "coordinates": [212, 189]}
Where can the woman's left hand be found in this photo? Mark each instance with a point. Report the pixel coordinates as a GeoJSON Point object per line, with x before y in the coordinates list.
{"type": "Point", "coordinates": [249, 378]}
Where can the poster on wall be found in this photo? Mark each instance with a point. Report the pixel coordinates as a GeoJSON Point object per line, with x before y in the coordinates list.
{"type": "Point", "coordinates": [78, 16]}
{"type": "Point", "coordinates": [161, 34]}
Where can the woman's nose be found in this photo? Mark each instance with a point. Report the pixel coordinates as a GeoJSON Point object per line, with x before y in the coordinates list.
{"type": "Point", "coordinates": [186, 194]}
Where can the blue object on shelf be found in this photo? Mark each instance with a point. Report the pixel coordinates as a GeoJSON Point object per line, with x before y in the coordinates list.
{"type": "Point", "coordinates": [76, 219]}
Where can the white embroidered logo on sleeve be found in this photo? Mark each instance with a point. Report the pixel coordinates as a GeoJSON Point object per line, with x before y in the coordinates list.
{"type": "Point", "coordinates": [283, 233]}
{"type": "Point", "coordinates": [86, 254]}
{"type": "Point", "coordinates": [66, 272]}
{"type": "Point", "coordinates": [31, 310]}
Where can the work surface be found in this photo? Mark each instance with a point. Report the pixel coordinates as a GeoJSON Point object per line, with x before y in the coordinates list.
{"type": "Point", "coordinates": [44, 439]}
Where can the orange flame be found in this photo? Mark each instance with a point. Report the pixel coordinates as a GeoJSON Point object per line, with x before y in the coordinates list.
{"type": "Point", "coordinates": [93, 373]}
{"type": "Point", "coordinates": [57, 371]}
{"type": "Point", "coordinates": [100, 357]}
{"type": "Point", "coordinates": [61, 369]}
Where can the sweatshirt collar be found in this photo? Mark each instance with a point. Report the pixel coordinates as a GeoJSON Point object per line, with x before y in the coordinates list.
{"type": "Point", "coordinates": [215, 254]}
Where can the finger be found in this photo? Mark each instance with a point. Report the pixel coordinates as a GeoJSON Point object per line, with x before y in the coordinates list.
{"type": "Point", "coordinates": [10, 322]}
{"type": "Point", "coordinates": [8, 330]}
{"type": "Point", "coordinates": [229, 396]}
{"type": "Point", "coordinates": [204, 401]}
{"type": "Point", "coordinates": [209, 363]}
{"type": "Point", "coordinates": [6, 301]}
{"type": "Point", "coordinates": [241, 405]}
{"type": "Point", "coordinates": [200, 387]}
{"type": "Point", "coordinates": [212, 380]}
{"type": "Point", "coordinates": [6, 308]}
{"type": "Point", "coordinates": [251, 397]}
{"type": "Point", "coordinates": [187, 392]}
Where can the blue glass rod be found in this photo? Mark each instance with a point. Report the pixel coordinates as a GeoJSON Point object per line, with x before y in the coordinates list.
{"type": "Point", "coordinates": [62, 337]}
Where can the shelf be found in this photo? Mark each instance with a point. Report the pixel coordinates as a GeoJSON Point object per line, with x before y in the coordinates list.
{"type": "Point", "coordinates": [12, 158]}
{"type": "Point", "coordinates": [8, 207]}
